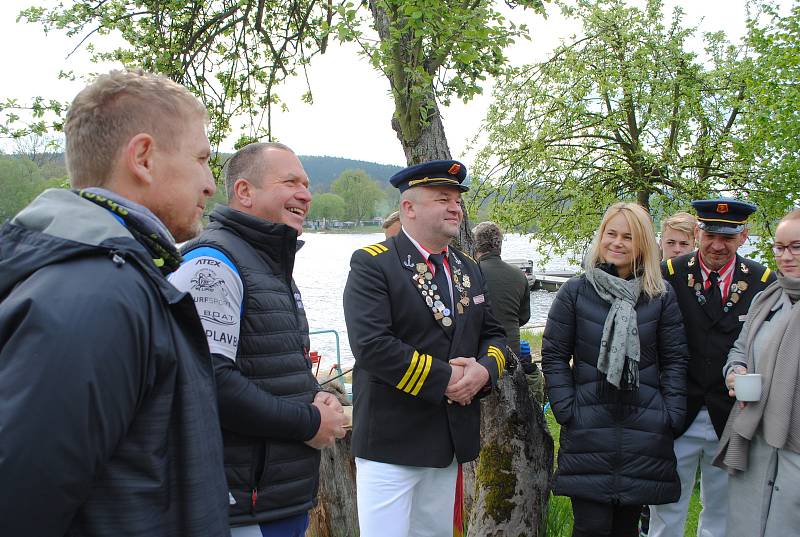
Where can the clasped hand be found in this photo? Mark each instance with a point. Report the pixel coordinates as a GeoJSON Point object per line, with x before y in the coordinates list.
{"type": "Point", "coordinates": [332, 421]}
{"type": "Point", "coordinates": [467, 378]}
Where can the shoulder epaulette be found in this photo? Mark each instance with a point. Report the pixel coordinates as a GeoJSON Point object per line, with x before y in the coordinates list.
{"type": "Point", "coordinates": [375, 249]}
{"type": "Point", "coordinates": [765, 275]}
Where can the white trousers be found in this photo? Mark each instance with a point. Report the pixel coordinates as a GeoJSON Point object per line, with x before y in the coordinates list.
{"type": "Point", "coordinates": [405, 501]}
{"type": "Point", "coordinates": [697, 445]}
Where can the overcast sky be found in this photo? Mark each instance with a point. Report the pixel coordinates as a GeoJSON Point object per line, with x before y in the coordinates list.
{"type": "Point", "coordinates": [352, 106]}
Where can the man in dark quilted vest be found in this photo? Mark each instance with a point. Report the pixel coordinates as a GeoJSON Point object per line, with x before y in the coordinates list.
{"type": "Point", "coordinates": [274, 417]}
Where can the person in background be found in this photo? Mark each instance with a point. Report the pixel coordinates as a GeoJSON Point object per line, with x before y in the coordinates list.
{"type": "Point", "coordinates": [108, 420]}
{"type": "Point", "coordinates": [391, 226]}
{"type": "Point", "coordinates": [714, 286]}
{"type": "Point", "coordinates": [677, 238]}
{"type": "Point", "coordinates": [274, 417]}
{"type": "Point", "coordinates": [511, 304]}
{"type": "Point", "coordinates": [678, 235]}
{"type": "Point", "coordinates": [507, 285]}
{"type": "Point", "coordinates": [614, 358]}
{"type": "Point", "coordinates": [760, 446]}
{"type": "Point", "coordinates": [426, 349]}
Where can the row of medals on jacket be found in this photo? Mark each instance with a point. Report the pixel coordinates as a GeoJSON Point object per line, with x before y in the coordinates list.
{"type": "Point", "coordinates": [736, 289]}
{"type": "Point", "coordinates": [429, 290]}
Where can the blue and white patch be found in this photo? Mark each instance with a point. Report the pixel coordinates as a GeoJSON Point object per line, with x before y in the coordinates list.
{"type": "Point", "coordinates": [217, 290]}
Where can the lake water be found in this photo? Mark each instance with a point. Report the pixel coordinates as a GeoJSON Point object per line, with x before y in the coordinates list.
{"type": "Point", "coordinates": [323, 264]}
{"type": "Point", "coordinates": [321, 272]}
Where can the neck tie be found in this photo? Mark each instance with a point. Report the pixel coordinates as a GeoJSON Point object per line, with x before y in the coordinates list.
{"type": "Point", "coordinates": [714, 295]}
{"type": "Point", "coordinates": [442, 286]}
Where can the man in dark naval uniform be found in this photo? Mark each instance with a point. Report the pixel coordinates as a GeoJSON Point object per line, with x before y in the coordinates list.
{"type": "Point", "coordinates": [426, 348]}
{"type": "Point", "coordinates": [715, 287]}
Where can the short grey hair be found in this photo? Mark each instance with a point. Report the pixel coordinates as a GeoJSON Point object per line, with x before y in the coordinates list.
{"type": "Point", "coordinates": [488, 238]}
{"type": "Point", "coordinates": [248, 163]}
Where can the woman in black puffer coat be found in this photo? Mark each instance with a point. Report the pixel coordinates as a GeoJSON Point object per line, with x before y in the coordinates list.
{"type": "Point", "coordinates": [624, 395]}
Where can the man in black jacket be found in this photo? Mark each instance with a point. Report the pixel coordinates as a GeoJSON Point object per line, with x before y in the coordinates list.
{"type": "Point", "coordinates": [426, 347]}
{"type": "Point", "coordinates": [239, 272]}
{"type": "Point", "coordinates": [108, 421]}
{"type": "Point", "coordinates": [715, 287]}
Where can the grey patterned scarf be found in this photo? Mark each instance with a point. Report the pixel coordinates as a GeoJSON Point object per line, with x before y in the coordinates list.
{"type": "Point", "coordinates": [619, 348]}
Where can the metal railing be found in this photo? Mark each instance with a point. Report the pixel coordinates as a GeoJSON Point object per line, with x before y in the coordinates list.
{"type": "Point", "coordinates": [338, 347]}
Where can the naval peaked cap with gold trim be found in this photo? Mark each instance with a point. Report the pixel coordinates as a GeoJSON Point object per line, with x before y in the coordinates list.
{"type": "Point", "coordinates": [724, 215]}
{"type": "Point", "coordinates": [432, 173]}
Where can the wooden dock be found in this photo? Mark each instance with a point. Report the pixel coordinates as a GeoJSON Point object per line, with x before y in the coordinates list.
{"type": "Point", "coordinates": [550, 281]}
{"type": "Point", "coordinates": [547, 281]}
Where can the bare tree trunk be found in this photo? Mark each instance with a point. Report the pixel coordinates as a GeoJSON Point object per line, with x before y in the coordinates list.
{"type": "Point", "coordinates": [416, 119]}
{"type": "Point", "coordinates": [508, 485]}
{"type": "Point", "coordinates": [643, 198]}
{"type": "Point", "coordinates": [464, 241]}
{"type": "Point", "coordinates": [335, 514]}
{"type": "Point", "coordinates": [431, 144]}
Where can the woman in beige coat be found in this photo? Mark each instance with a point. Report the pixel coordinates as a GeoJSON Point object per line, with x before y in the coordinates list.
{"type": "Point", "coordinates": [760, 446]}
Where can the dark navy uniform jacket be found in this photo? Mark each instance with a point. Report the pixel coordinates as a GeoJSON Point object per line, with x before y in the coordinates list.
{"type": "Point", "coordinates": [711, 331]}
{"type": "Point", "coordinates": [400, 413]}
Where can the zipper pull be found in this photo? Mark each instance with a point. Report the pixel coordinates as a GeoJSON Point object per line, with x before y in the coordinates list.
{"type": "Point", "coordinates": [254, 497]}
{"type": "Point", "coordinates": [117, 259]}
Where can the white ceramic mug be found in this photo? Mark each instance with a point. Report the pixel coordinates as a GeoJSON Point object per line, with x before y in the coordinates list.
{"type": "Point", "coordinates": [748, 387]}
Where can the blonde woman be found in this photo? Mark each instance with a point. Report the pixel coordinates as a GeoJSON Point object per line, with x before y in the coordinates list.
{"type": "Point", "coordinates": [614, 357]}
{"type": "Point", "coordinates": [677, 235]}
